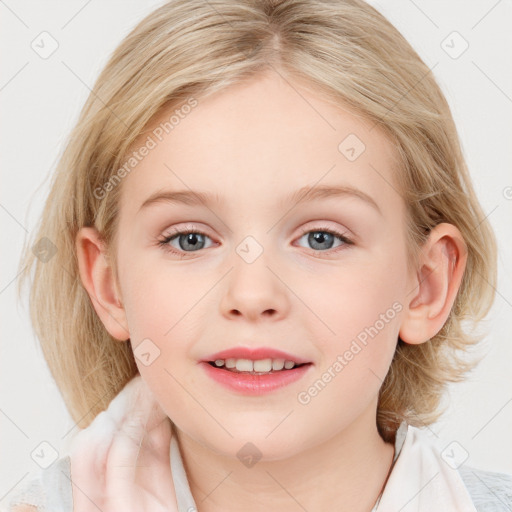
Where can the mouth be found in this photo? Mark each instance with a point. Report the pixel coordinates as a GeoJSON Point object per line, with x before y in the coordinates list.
{"type": "Point", "coordinates": [255, 377]}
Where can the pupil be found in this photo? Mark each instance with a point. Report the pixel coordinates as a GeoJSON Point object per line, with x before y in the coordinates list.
{"type": "Point", "coordinates": [321, 237]}
{"type": "Point", "coordinates": [190, 241]}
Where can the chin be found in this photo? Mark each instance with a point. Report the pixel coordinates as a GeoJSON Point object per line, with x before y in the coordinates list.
{"type": "Point", "coordinates": [252, 443]}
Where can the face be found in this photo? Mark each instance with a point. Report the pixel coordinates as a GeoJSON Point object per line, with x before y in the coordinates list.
{"type": "Point", "coordinates": [321, 277]}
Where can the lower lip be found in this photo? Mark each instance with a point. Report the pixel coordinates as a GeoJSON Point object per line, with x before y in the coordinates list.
{"type": "Point", "coordinates": [248, 384]}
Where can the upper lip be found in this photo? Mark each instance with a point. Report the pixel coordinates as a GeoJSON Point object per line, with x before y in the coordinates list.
{"type": "Point", "coordinates": [255, 354]}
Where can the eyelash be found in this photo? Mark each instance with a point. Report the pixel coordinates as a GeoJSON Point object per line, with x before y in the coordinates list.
{"type": "Point", "coordinates": [164, 242]}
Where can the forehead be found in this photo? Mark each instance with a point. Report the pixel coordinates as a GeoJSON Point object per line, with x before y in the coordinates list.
{"type": "Point", "coordinates": [259, 141]}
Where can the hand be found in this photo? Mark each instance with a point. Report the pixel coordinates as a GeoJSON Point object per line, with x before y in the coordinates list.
{"type": "Point", "coordinates": [121, 461]}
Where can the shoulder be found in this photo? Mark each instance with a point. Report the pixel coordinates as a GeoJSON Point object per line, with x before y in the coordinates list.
{"type": "Point", "coordinates": [486, 491]}
{"type": "Point", "coordinates": [48, 489]}
{"type": "Point", "coordinates": [490, 491]}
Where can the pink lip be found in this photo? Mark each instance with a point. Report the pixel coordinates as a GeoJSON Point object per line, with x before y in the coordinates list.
{"type": "Point", "coordinates": [254, 384]}
{"type": "Point", "coordinates": [254, 354]}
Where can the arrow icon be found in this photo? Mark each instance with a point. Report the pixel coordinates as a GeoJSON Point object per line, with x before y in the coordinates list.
{"type": "Point", "coordinates": [44, 454]}
{"type": "Point", "coordinates": [146, 352]}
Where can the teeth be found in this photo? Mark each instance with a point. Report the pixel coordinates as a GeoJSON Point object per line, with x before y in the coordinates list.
{"type": "Point", "coordinates": [277, 364]}
{"type": "Point", "coordinates": [244, 365]}
{"type": "Point", "coordinates": [259, 366]}
{"type": "Point", "coordinates": [262, 365]}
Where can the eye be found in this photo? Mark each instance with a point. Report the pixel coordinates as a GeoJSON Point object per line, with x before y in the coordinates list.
{"type": "Point", "coordinates": [192, 240]}
{"type": "Point", "coordinates": [322, 238]}
{"type": "Point", "coordinates": [188, 240]}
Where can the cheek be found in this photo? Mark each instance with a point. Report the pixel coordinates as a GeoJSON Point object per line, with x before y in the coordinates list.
{"type": "Point", "coordinates": [164, 314]}
{"type": "Point", "coordinates": [360, 309]}
{"type": "Point", "coordinates": [364, 312]}
{"type": "Point", "coordinates": [353, 298]}
{"type": "Point", "coordinates": [157, 300]}
{"type": "Point", "coordinates": [159, 310]}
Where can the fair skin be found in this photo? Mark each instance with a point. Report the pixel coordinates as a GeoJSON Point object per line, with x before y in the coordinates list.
{"type": "Point", "coordinates": [253, 145]}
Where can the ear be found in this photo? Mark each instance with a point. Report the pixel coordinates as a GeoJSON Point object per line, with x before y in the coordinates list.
{"type": "Point", "coordinates": [98, 279]}
{"type": "Point", "coordinates": [442, 265]}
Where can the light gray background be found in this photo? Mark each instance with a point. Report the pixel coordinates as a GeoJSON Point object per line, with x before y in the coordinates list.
{"type": "Point", "coordinates": [40, 101]}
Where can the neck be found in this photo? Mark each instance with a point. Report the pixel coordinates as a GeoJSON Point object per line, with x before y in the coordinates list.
{"type": "Point", "coordinates": [345, 472]}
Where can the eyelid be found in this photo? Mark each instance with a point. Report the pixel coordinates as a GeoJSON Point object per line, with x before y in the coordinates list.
{"type": "Point", "coordinates": [186, 227]}
{"type": "Point", "coordinates": [343, 232]}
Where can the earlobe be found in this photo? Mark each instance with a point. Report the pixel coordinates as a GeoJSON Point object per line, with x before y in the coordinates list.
{"type": "Point", "coordinates": [443, 261]}
{"type": "Point", "coordinates": [97, 278]}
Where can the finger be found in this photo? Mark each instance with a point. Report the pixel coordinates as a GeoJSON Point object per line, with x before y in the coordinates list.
{"type": "Point", "coordinates": [139, 457]}
{"type": "Point", "coordinates": [140, 419]}
{"type": "Point", "coordinates": [88, 455]}
{"type": "Point", "coordinates": [139, 454]}
{"type": "Point", "coordinates": [89, 452]}
{"type": "Point", "coordinates": [123, 456]}
{"type": "Point", "coordinates": [153, 472]}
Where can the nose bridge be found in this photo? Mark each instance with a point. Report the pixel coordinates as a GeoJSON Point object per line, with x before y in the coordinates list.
{"type": "Point", "coordinates": [251, 249]}
{"type": "Point", "coordinates": [254, 237]}
{"type": "Point", "coordinates": [253, 288]}
{"type": "Point", "coordinates": [252, 259]}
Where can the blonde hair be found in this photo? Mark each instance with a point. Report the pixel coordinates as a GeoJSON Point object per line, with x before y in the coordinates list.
{"type": "Point", "coordinates": [348, 52]}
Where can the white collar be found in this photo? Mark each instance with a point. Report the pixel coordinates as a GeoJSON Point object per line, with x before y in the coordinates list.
{"type": "Point", "coordinates": [422, 480]}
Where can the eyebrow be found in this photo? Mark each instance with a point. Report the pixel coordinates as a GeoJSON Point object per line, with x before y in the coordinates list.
{"type": "Point", "coordinates": [304, 194]}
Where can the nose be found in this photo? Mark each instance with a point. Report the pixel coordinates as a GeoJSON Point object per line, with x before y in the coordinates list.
{"type": "Point", "coordinates": [254, 290]}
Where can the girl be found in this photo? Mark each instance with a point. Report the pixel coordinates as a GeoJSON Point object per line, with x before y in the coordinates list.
{"type": "Point", "coordinates": [266, 245]}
